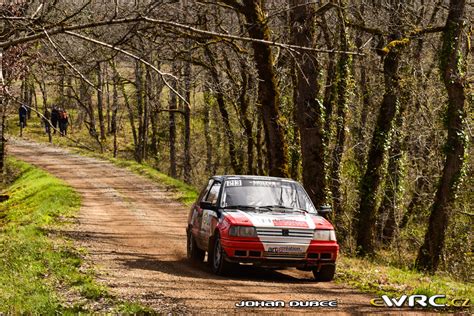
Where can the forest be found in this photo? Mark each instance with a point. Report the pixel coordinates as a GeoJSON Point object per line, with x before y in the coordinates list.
{"type": "Point", "coordinates": [367, 103]}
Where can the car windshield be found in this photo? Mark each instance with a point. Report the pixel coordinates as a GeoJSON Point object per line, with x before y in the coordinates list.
{"type": "Point", "coordinates": [265, 193]}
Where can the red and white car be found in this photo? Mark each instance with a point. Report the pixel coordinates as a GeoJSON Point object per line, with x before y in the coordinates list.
{"type": "Point", "coordinates": [264, 221]}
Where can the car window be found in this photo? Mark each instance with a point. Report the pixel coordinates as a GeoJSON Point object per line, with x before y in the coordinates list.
{"type": "Point", "coordinates": [213, 193]}
{"type": "Point", "coordinates": [305, 202]}
{"type": "Point", "coordinates": [205, 190]}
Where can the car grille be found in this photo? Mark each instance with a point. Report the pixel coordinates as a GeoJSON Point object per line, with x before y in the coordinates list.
{"type": "Point", "coordinates": [278, 232]}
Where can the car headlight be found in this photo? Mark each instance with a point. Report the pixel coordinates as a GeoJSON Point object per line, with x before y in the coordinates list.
{"type": "Point", "coordinates": [324, 235]}
{"type": "Point", "coordinates": [242, 231]}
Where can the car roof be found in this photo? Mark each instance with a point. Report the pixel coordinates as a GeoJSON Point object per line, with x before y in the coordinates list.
{"type": "Point", "coordinates": [251, 177]}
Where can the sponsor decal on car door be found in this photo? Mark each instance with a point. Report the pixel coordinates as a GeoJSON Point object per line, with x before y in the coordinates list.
{"type": "Point", "coordinates": [206, 224]}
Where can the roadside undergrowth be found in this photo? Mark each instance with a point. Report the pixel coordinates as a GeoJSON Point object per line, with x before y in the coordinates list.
{"type": "Point", "coordinates": [372, 277]}
{"type": "Point", "coordinates": [40, 270]}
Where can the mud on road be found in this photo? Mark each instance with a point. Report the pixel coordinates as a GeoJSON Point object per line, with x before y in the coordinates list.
{"type": "Point", "coordinates": [134, 233]}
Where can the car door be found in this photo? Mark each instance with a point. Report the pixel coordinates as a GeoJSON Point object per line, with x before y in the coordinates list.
{"type": "Point", "coordinates": [209, 215]}
{"type": "Point", "coordinates": [195, 218]}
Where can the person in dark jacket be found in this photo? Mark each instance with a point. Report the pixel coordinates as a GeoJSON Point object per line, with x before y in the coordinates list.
{"type": "Point", "coordinates": [46, 121]}
{"type": "Point", "coordinates": [22, 113]}
{"type": "Point", "coordinates": [55, 118]}
{"type": "Point", "coordinates": [63, 122]}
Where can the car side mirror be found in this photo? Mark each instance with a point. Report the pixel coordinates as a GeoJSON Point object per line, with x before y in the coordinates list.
{"type": "Point", "coordinates": [325, 210]}
{"type": "Point", "coordinates": [207, 206]}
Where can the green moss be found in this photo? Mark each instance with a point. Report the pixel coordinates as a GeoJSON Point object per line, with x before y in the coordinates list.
{"type": "Point", "coordinates": [395, 44]}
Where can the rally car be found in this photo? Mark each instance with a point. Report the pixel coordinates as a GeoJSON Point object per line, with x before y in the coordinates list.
{"type": "Point", "coordinates": [265, 221]}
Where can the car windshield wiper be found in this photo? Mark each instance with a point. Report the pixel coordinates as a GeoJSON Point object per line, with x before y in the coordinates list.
{"type": "Point", "coordinates": [285, 208]}
{"type": "Point", "coordinates": [253, 207]}
{"type": "Point", "coordinates": [239, 206]}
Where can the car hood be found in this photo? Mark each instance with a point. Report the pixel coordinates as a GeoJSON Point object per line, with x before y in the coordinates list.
{"type": "Point", "coordinates": [285, 219]}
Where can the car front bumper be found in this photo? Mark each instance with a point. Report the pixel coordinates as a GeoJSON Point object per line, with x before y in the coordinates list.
{"type": "Point", "coordinates": [317, 253]}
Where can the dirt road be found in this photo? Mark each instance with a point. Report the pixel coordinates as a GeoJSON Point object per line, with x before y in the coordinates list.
{"type": "Point", "coordinates": [135, 235]}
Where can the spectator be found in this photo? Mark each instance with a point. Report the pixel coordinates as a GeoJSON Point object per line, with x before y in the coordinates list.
{"type": "Point", "coordinates": [63, 122]}
{"type": "Point", "coordinates": [55, 118]}
{"type": "Point", "coordinates": [22, 112]}
{"type": "Point", "coordinates": [46, 121]}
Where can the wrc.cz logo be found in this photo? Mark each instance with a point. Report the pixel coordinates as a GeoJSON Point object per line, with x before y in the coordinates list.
{"type": "Point", "coordinates": [419, 300]}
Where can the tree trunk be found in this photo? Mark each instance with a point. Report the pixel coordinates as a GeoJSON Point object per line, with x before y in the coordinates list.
{"type": "Point", "coordinates": [235, 162]}
{"type": "Point", "coordinates": [244, 105]}
{"type": "Point", "coordinates": [453, 75]}
{"type": "Point", "coordinates": [33, 97]}
{"type": "Point", "coordinates": [100, 102]}
{"type": "Point", "coordinates": [44, 94]}
{"type": "Point", "coordinates": [207, 131]}
{"type": "Point", "coordinates": [3, 116]}
{"type": "Point", "coordinates": [146, 111]}
{"type": "Point", "coordinates": [330, 82]}
{"type": "Point", "coordinates": [62, 77]}
{"type": "Point", "coordinates": [140, 105]}
{"type": "Point", "coordinates": [217, 156]}
{"type": "Point", "coordinates": [388, 213]}
{"type": "Point", "coordinates": [115, 108]}
{"type": "Point", "coordinates": [268, 91]}
{"type": "Point", "coordinates": [259, 147]}
{"type": "Point", "coordinates": [131, 116]}
{"type": "Point", "coordinates": [187, 124]}
{"type": "Point", "coordinates": [309, 109]}
{"type": "Point", "coordinates": [360, 148]}
{"type": "Point", "coordinates": [107, 100]}
{"type": "Point", "coordinates": [390, 201]}
{"type": "Point", "coordinates": [370, 182]}
{"type": "Point", "coordinates": [155, 88]}
{"type": "Point", "coordinates": [172, 106]}
{"type": "Point", "coordinates": [342, 83]}
{"type": "Point", "coordinates": [86, 101]}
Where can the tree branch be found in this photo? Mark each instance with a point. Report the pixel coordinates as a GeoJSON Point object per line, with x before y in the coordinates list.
{"type": "Point", "coordinates": [69, 63]}
{"type": "Point", "coordinates": [162, 74]}
{"type": "Point", "coordinates": [245, 39]}
{"type": "Point", "coordinates": [65, 29]}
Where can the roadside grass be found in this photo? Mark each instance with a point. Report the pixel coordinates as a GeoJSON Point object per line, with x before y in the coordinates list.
{"type": "Point", "coordinates": [34, 263]}
{"type": "Point", "coordinates": [131, 308]}
{"type": "Point", "coordinates": [373, 277]}
{"type": "Point", "coordinates": [184, 193]}
{"type": "Point", "coordinates": [41, 272]}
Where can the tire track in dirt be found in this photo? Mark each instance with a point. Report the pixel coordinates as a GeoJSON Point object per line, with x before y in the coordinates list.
{"type": "Point", "coordinates": [134, 233]}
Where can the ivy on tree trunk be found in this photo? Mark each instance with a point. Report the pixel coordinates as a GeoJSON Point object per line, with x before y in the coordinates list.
{"type": "Point", "coordinates": [453, 76]}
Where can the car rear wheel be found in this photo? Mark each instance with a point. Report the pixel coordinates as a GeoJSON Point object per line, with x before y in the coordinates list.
{"type": "Point", "coordinates": [325, 273]}
{"type": "Point", "coordinates": [193, 252]}
{"type": "Point", "coordinates": [217, 259]}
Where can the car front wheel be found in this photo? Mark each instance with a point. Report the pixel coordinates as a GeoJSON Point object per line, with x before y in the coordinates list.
{"type": "Point", "coordinates": [325, 273]}
{"type": "Point", "coordinates": [193, 252]}
{"type": "Point", "coordinates": [217, 258]}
